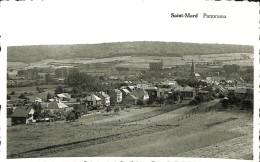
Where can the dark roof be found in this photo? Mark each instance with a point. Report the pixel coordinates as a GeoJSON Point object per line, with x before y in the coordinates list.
{"type": "Point", "coordinates": [21, 111]}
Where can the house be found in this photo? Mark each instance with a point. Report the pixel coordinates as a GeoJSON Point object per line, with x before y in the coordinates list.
{"type": "Point", "coordinates": [185, 93]}
{"type": "Point", "coordinates": [115, 96]}
{"type": "Point", "coordinates": [153, 92]}
{"type": "Point", "coordinates": [64, 96]}
{"type": "Point", "coordinates": [94, 100]}
{"type": "Point", "coordinates": [244, 93]}
{"type": "Point", "coordinates": [141, 94]}
{"type": "Point", "coordinates": [203, 93]}
{"type": "Point", "coordinates": [124, 92]}
{"type": "Point", "coordinates": [130, 100]}
{"type": "Point", "coordinates": [197, 75]}
{"type": "Point", "coordinates": [23, 115]}
{"type": "Point", "coordinates": [57, 105]}
{"type": "Point", "coordinates": [105, 98]}
{"type": "Point", "coordinates": [230, 89]}
{"type": "Point", "coordinates": [188, 93]}
{"type": "Point", "coordinates": [131, 88]}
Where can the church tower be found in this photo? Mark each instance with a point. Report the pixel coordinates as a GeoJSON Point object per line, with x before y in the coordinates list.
{"type": "Point", "coordinates": [192, 71]}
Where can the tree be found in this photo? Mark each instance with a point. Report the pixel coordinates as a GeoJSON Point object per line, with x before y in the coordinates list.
{"type": "Point", "coordinates": [37, 108]}
{"type": "Point", "coordinates": [72, 115]}
{"type": "Point", "coordinates": [58, 90]}
{"type": "Point", "coordinates": [161, 100]}
{"type": "Point", "coordinates": [47, 77]}
{"type": "Point", "coordinates": [12, 93]}
{"type": "Point", "coordinates": [108, 109]}
{"type": "Point", "coordinates": [225, 103]}
{"type": "Point", "coordinates": [22, 96]}
{"type": "Point", "coordinates": [231, 68]}
{"type": "Point", "coordinates": [116, 110]}
{"type": "Point", "coordinates": [140, 102]}
{"type": "Point", "coordinates": [247, 104]}
{"type": "Point", "coordinates": [150, 101]}
{"type": "Point", "coordinates": [199, 99]}
{"type": "Point", "coordinates": [74, 90]}
{"type": "Point", "coordinates": [194, 102]}
{"type": "Point", "coordinates": [48, 96]}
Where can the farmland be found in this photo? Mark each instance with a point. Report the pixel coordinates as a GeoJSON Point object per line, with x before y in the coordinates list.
{"type": "Point", "coordinates": [176, 130]}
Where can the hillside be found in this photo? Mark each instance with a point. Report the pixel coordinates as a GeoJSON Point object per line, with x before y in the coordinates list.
{"type": "Point", "coordinates": [35, 53]}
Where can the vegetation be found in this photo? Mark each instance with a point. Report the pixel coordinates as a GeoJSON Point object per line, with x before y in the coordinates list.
{"type": "Point", "coordinates": [42, 52]}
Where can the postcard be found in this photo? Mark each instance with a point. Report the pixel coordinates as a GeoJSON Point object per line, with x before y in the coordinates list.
{"type": "Point", "coordinates": [129, 80]}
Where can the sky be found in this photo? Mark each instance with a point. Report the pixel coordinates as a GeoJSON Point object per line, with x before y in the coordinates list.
{"type": "Point", "coordinates": [87, 22]}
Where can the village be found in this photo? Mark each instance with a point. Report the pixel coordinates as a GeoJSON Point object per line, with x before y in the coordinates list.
{"type": "Point", "coordinates": [103, 93]}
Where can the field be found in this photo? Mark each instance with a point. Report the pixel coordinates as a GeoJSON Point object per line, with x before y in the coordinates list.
{"type": "Point", "coordinates": [172, 131]}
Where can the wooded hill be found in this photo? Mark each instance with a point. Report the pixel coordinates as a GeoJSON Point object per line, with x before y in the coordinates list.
{"type": "Point", "coordinates": [35, 53]}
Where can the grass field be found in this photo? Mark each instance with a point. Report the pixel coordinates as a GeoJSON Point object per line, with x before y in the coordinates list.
{"type": "Point", "coordinates": [172, 130]}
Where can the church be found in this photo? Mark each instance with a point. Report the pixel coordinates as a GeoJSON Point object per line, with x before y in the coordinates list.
{"type": "Point", "coordinates": [193, 74]}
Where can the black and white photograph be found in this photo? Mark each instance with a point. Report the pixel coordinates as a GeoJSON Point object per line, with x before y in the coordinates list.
{"type": "Point", "coordinates": [130, 79]}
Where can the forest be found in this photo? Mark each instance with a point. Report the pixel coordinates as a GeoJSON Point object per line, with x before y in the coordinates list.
{"type": "Point", "coordinates": [34, 53]}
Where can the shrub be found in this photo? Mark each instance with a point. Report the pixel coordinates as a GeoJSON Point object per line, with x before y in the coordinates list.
{"type": "Point", "coordinates": [116, 110]}
{"type": "Point", "coordinates": [225, 103]}
{"type": "Point", "coordinates": [140, 102]}
{"type": "Point", "coordinates": [247, 104]}
{"type": "Point", "coordinates": [194, 102]}
{"type": "Point", "coordinates": [22, 96]}
{"type": "Point", "coordinates": [108, 109]}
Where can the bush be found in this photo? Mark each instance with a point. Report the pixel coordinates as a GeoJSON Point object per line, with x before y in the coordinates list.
{"type": "Point", "coordinates": [234, 100]}
{"type": "Point", "coordinates": [108, 109]}
{"type": "Point", "coordinates": [140, 102]}
{"type": "Point", "coordinates": [72, 116]}
{"type": "Point", "coordinates": [116, 110]}
{"type": "Point", "coordinates": [199, 99]}
{"type": "Point", "coordinates": [22, 96]}
{"type": "Point", "coordinates": [150, 101]}
{"type": "Point", "coordinates": [194, 102]}
{"type": "Point", "coordinates": [247, 104]}
{"type": "Point", "coordinates": [225, 103]}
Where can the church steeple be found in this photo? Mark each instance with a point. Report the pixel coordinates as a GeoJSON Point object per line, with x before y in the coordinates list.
{"type": "Point", "coordinates": [192, 71]}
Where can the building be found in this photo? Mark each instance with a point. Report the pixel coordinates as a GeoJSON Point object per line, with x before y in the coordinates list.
{"type": "Point", "coordinates": [115, 96]}
{"type": "Point", "coordinates": [64, 96]}
{"type": "Point", "coordinates": [192, 70]}
{"type": "Point", "coordinates": [203, 93]}
{"type": "Point", "coordinates": [130, 100]}
{"type": "Point", "coordinates": [244, 93]}
{"type": "Point", "coordinates": [131, 88]}
{"type": "Point", "coordinates": [57, 105]}
{"type": "Point", "coordinates": [185, 93]}
{"type": "Point", "coordinates": [105, 98]}
{"type": "Point", "coordinates": [153, 92]}
{"type": "Point", "coordinates": [23, 115]}
{"type": "Point", "coordinates": [155, 66]}
{"type": "Point", "coordinates": [124, 92]}
{"type": "Point", "coordinates": [94, 101]}
{"type": "Point", "coordinates": [141, 94]}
